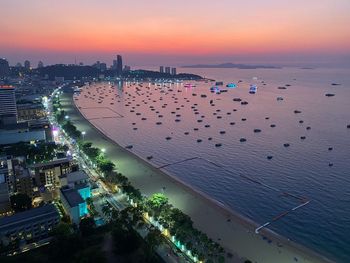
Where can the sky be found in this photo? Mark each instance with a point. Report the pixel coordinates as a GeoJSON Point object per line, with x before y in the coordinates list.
{"type": "Point", "coordinates": [176, 32]}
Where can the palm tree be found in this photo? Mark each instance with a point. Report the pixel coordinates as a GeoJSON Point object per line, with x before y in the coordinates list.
{"type": "Point", "coordinates": [106, 210]}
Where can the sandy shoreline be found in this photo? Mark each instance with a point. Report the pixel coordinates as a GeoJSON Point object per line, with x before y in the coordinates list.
{"type": "Point", "coordinates": [236, 235]}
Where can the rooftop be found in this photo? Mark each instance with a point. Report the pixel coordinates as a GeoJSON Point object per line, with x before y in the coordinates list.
{"type": "Point", "coordinates": [54, 162]}
{"type": "Point", "coordinates": [6, 87]}
{"type": "Point", "coordinates": [72, 196]}
{"type": "Point", "coordinates": [29, 216]}
{"type": "Point", "coordinates": [76, 176]}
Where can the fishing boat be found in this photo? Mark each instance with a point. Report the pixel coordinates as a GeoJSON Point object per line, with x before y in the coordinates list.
{"type": "Point", "coordinates": [253, 89]}
{"type": "Point", "coordinates": [231, 85]}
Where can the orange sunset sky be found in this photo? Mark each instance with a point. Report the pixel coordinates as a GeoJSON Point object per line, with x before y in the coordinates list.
{"type": "Point", "coordinates": [181, 31]}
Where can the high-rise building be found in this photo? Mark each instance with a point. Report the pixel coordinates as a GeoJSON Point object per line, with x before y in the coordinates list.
{"type": "Point", "coordinates": [8, 109]}
{"type": "Point", "coordinates": [27, 65]}
{"type": "Point", "coordinates": [119, 65]}
{"type": "Point", "coordinates": [4, 68]}
{"type": "Point", "coordinates": [173, 71]}
{"type": "Point", "coordinates": [103, 66]}
{"type": "Point", "coordinates": [40, 64]}
{"type": "Point", "coordinates": [161, 69]}
{"type": "Point", "coordinates": [167, 70]}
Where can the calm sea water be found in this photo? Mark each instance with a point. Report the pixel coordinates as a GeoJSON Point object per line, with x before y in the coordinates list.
{"type": "Point", "coordinates": [302, 169]}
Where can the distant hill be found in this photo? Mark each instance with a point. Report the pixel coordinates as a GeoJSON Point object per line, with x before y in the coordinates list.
{"type": "Point", "coordinates": [229, 65]}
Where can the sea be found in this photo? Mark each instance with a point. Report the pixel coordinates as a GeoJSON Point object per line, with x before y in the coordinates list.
{"type": "Point", "coordinates": [289, 144]}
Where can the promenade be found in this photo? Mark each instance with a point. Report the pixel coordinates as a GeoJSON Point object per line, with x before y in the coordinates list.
{"type": "Point", "coordinates": [234, 232]}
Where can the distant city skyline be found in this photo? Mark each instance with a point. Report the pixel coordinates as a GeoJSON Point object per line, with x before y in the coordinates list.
{"type": "Point", "coordinates": [162, 32]}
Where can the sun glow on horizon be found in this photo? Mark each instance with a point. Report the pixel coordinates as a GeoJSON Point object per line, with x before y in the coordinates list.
{"type": "Point", "coordinates": [181, 27]}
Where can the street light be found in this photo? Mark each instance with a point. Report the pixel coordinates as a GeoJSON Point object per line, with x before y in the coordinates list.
{"type": "Point", "coordinates": [66, 117]}
{"type": "Point", "coordinates": [83, 133]}
{"type": "Point", "coordinates": [103, 150]}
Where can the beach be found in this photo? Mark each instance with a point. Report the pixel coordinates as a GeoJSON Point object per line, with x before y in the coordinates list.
{"type": "Point", "coordinates": [233, 231]}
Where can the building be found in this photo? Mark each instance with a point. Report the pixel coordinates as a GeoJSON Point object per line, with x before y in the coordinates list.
{"type": "Point", "coordinates": [5, 205]}
{"type": "Point", "coordinates": [167, 70]}
{"type": "Point", "coordinates": [23, 182]}
{"type": "Point", "coordinates": [74, 192]}
{"type": "Point", "coordinates": [30, 111]}
{"type": "Point", "coordinates": [40, 64]}
{"type": "Point", "coordinates": [161, 69]}
{"type": "Point", "coordinates": [22, 132]}
{"type": "Point", "coordinates": [31, 225]}
{"type": "Point", "coordinates": [119, 66]}
{"type": "Point", "coordinates": [74, 179]}
{"type": "Point", "coordinates": [19, 179]}
{"type": "Point", "coordinates": [73, 203]}
{"type": "Point", "coordinates": [97, 65]}
{"type": "Point", "coordinates": [4, 68]}
{"type": "Point", "coordinates": [173, 71]}
{"type": "Point", "coordinates": [27, 65]}
{"type": "Point", "coordinates": [47, 174]}
{"type": "Point", "coordinates": [126, 68]}
{"type": "Point", "coordinates": [103, 66]}
{"type": "Point", "coordinates": [8, 109]}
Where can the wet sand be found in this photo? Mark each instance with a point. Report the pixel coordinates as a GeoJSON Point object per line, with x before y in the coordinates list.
{"type": "Point", "coordinates": [233, 231]}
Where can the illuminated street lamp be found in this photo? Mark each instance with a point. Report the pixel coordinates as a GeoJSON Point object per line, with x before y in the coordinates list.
{"type": "Point", "coordinates": [66, 117]}
{"type": "Point", "coordinates": [103, 150]}
{"type": "Point", "coordinates": [83, 133]}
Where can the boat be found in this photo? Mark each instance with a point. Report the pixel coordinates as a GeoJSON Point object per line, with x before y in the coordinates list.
{"type": "Point", "coordinates": [189, 85]}
{"type": "Point", "coordinates": [253, 89]}
{"type": "Point", "coordinates": [215, 89]}
{"type": "Point", "coordinates": [219, 83]}
{"type": "Point", "coordinates": [231, 85]}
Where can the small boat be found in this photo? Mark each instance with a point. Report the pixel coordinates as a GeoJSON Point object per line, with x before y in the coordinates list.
{"type": "Point", "coordinates": [253, 89]}
{"type": "Point", "coordinates": [231, 85]}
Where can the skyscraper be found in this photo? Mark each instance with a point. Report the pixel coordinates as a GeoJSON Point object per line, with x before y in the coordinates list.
{"type": "Point", "coordinates": [4, 68]}
{"type": "Point", "coordinates": [119, 65]}
{"type": "Point", "coordinates": [27, 64]}
{"type": "Point", "coordinates": [161, 69]}
{"type": "Point", "coordinates": [8, 109]}
{"type": "Point", "coordinates": [173, 71]}
{"type": "Point", "coordinates": [167, 70]}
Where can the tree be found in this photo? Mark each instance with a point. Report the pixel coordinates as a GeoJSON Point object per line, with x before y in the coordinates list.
{"type": "Point", "coordinates": [21, 202]}
{"type": "Point", "coordinates": [154, 239]}
{"type": "Point", "coordinates": [87, 226]}
{"type": "Point", "coordinates": [156, 202]}
{"type": "Point", "coordinates": [105, 165]}
{"type": "Point", "coordinates": [90, 255]}
{"type": "Point", "coordinates": [106, 210]}
{"type": "Point", "coordinates": [125, 240]}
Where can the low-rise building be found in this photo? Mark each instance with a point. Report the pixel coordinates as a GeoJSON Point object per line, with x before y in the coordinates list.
{"type": "Point", "coordinates": [73, 203]}
{"type": "Point", "coordinates": [24, 182]}
{"type": "Point", "coordinates": [5, 205]}
{"type": "Point", "coordinates": [30, 111]}
{"type": "Point", "coordinates": [47, 174]}
{"type": "Point", "coordinates": [74, 192]}
{"type": "Point", "coordinates": [31, 225]}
